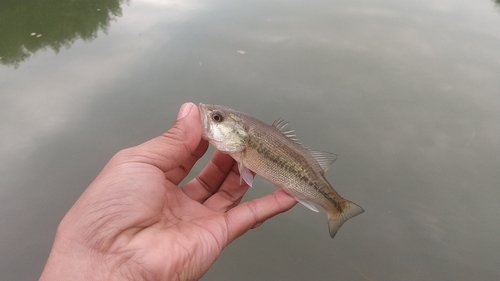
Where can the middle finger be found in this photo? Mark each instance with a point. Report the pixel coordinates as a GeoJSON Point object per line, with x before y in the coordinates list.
{"type": "Point", "coordinates": [211, 177]}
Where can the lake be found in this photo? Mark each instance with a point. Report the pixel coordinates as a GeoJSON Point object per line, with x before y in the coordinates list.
{"type": "Point", "coordinates": [407, 93]}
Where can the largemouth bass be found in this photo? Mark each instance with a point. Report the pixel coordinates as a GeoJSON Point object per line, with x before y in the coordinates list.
{"type": "Point", "coordinates": [274, 153]}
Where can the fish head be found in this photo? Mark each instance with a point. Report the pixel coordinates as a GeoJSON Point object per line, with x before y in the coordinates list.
{"type": "Point", "coordinates": [223, 127]}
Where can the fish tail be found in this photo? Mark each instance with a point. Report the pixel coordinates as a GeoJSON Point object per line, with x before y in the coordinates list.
{"type": "Point", "coordinates": [336, 220]}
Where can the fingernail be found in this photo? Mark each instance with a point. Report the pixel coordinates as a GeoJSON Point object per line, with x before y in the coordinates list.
{"type": "Point", "coordinates": [184, 110]}
{"type": "Point", "coordinates": [258, 224]}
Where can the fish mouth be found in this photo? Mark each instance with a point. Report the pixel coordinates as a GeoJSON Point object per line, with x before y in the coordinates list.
{"type": "Point", "coordinates": [205, 125]}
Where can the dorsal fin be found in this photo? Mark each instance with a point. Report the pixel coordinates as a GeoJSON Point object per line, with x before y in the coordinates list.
{"type": "Point", "coordinates": [280, 124]}
{"type": "Point", "coordinates": [324, 159]}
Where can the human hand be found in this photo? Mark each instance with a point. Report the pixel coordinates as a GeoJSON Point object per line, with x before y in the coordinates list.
{"type": "Point", "coordinates": [134, 223]}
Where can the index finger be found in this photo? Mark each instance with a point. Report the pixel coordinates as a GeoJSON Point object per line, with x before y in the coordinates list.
{"type": "Point", "coordinates": [211, 177]}
{"type": "Point", "coordinates": [180, 172]}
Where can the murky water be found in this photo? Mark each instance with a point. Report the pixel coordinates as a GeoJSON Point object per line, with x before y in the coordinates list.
{"type": "Point", "coordinates": [406, 93]}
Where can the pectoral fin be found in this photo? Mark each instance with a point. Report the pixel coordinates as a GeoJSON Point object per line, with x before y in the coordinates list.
{"type": "Point", "coordinates": [245, 174]}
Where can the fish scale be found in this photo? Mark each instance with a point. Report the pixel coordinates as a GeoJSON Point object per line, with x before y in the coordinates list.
{"type": "Point", "coordinates": [265, 151]}
{"type": "Point", "coordinates": [275, 154]}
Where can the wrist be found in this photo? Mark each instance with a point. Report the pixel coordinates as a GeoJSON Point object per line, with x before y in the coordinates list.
{"type": "Point", "coordinates": [66, 262]}
{"type": "Point", "coordinates": [71, 260]}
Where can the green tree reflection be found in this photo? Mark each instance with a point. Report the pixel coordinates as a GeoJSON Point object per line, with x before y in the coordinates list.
{"type": "Point", "coordinates": [27, 26]}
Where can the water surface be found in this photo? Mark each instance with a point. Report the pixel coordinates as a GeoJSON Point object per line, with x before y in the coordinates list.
{"type": "Point", "coordinates": [406, 93]}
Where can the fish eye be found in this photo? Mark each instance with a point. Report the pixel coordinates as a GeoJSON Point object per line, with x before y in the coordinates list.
{"type": "Point", "coordinates": [217, 117]}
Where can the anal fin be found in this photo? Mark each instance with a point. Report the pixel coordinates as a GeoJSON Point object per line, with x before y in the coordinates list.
{"type": "Point", "coordinates": [308, 205]}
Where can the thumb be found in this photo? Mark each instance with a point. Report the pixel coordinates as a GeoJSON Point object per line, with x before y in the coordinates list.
{"type": "Point", "coordinates": [177, 144]}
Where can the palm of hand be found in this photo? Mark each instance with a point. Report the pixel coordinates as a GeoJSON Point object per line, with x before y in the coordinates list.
{"type": "Point", "coordinates": [159, 229]}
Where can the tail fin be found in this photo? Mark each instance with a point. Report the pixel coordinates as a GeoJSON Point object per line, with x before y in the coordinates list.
{"type": "Point", "coordinates": [337, 220]}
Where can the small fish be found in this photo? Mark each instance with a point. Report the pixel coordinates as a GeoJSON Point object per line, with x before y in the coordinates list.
{"type": "Point", "coordinates": [274, 152]}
